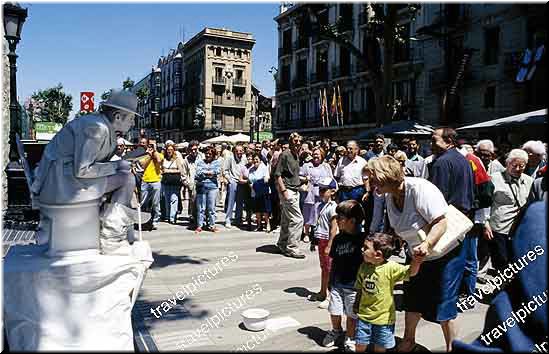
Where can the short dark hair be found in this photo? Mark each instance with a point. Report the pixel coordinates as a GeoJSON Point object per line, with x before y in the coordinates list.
{"type": "Point", "coordinates": [449, 135]}
{"type": "Point", "coordinates": [351, 209]}
{"type": "Point", "coordinates": [379, 136]}
{"type": "Point", "coordinates": [382, 242]}
{"type": "Point", "coordinates": [392, 146]}
{"type": "Point", "coordinates": [194, 143]}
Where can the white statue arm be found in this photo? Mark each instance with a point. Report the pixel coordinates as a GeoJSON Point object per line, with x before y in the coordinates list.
{"type": "Point", "coordinates": [85, 154]}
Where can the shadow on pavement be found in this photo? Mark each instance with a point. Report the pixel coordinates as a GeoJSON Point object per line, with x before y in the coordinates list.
{"type": "Point", "coordinates": [299, 291]}
{"type": "Point", "coordinates": [273, 249]}
{"type": "Point", "coordinates": [314, 333]}
{"type": "Point", "coordinates": [164, 310]}
{"type": "Point", "coordinates": [164, 260]}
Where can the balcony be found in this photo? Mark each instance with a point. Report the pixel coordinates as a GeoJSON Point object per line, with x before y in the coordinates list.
{"type": "Point", "coordinates": [218, 80]}
{"type": "Point", "coordinates": [321, 76]}
{"type": "Point", "coordinates": [300, 81]}
{"type": "Point", "coordinates": [341, 71]}
{"type": "Point", "coordinates": [239, 82]}
{"type": "Point", "coordinates": [312, 122]}
{"type": "Point", "coordinates": [284, 85]}
{"type": "Point", "coordinates": [284, 51]}
{"type": "Point", "coordinates": [301, 43]}
{"type": "Point", "coordinates": [219, 101]}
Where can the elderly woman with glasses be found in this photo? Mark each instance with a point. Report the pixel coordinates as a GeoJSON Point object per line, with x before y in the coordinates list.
{"type": "Point", "coordinates": [511, 190]}
{"type": "Point", "coordinates": [415, 204]}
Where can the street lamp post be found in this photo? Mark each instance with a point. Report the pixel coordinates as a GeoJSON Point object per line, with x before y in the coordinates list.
{"type": "Point", "coordinates": [14, 17]}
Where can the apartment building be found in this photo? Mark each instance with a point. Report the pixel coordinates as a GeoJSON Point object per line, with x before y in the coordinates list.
{"type": "Point", "coordinates": [457, 64]}
{"type": "Point", "coordinates": [202, 88]}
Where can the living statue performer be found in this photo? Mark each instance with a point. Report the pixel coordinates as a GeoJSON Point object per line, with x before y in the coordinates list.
{"type": "Point", "coordinates": [75, 170]}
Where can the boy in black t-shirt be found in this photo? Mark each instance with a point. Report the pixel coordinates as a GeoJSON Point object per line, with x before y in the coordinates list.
{"type": "Point", "coordinates": [346, 259]}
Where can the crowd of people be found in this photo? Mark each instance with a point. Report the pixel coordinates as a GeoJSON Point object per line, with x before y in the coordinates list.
{"type": "Point", "coordinates": [357, 208]}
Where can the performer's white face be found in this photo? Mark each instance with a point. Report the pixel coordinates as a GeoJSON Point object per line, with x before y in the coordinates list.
{"type": "Point", "coordinates": [123, 121]}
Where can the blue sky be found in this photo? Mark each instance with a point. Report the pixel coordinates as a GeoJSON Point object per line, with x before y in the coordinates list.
{"type": "Point", "coordinates": [95, 46]}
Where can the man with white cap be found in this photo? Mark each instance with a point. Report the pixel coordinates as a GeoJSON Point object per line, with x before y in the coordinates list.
{"type": "Point", "coordinates": [75, 166]}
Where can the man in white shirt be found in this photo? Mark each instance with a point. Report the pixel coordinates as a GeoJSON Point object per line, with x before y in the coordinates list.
{"type": "Point", "coordinates": [349, 174]}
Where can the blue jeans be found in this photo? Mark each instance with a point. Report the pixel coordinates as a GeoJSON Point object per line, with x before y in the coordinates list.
{"type": "Point", "coordinates": [151, 191]}
{"type": "Point", "coordinates": [171, 200]}
{"type": "Point", "coordinates": [233, 197]}
{"type": "Point", "coordinates": [469, 252]}
{"type": "Point", "coordinates": [380, 335]}
{"type": "Point", "coordinates": [205, 202]}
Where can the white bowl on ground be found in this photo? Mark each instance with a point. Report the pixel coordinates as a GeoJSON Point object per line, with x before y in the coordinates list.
{"type": "Point", "coordinates": [255, 319]}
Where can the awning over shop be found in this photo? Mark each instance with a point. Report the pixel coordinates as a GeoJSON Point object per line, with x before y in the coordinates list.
{"type": "Point", "coordinates": [530, 118]}
{"type": "Point", "coordinates": [400, 127]}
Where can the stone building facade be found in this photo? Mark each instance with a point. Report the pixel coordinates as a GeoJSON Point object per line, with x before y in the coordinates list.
{"type": "Point", "coordinates": [204, 87]}
{"type": "Point", "coordinates": [457, 65]}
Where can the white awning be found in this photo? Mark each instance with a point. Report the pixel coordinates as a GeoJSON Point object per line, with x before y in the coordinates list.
{"type": "Point", "coordinates": [529, 118]}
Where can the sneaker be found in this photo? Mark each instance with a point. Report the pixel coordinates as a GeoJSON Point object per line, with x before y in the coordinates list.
{"type": "Point", "coordinates": [228, 225]}
{"type": "Point", "coordinates": [294, 254]}
{"type": "Point", "coordinates": [315, 297]}
{"type": "Point", "coordinates": [331, 337]}
{"type": "Point", "coordinates": [214, 229]}
{"type": "Point", "coordinates": [324, 304]}
{"type": "Point", "coordinates": [349, 345]}
{"type": "Point", "coordinates": [198, 230]}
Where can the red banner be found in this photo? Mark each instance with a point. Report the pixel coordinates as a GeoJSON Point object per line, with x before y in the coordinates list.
{"type": "Point", "coordinates": [86, 101]}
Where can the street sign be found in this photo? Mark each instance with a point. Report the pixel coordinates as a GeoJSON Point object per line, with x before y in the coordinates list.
{"type": "Point", "coordinates": [46, 130]}
{"type": "Point", "coordinates": [86, 101]}
{"type": "Point", "coordinates": [265, 136]}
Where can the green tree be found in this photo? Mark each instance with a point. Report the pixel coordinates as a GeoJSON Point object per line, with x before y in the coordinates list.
{"type": "Point", "coordinates": [56, 105]}
{"type": "Point", "coordinates": [382, 26]}
{"type": "Point", "coordinates": [127, 84]}
{"type": "Point", "coordinates": [142, 93]}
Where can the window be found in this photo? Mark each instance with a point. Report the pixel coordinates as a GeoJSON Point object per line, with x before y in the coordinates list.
{"type": "Point", "coordinates": [218, 51]}
{"type": "Point", "coordinates": [490, 97]}
{"type": "Point", "coordinates": [491, 46]}
{"type": "Point", "coordinates": [218, 73]}
{"type": "Point", "coordinates": [239, 123]}
{"type": "Point", "coordinates": [303, 110]}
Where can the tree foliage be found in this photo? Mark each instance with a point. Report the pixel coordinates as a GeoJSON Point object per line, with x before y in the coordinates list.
{"type": "Point", "coordinates": [55, 105]}
{"type": "Point", "coordinates": [383, 25]}
{"type": "Point", "coordinates": [127, 84]}
{"type": "Point", "coordinates": [142, 93]}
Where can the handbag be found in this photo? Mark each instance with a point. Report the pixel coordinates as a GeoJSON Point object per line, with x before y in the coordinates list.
{"type": "Point", "coordinates": [172, 179]}
{"type": "Point", "coordinates": [458, 224]}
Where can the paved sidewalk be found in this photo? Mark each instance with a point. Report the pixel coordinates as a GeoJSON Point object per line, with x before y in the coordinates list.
{"type": "Point", "coordinates": [254, 272]}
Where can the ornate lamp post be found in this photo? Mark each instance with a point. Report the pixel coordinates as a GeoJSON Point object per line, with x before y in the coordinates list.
{"type": "Point", "coordinates": [14, 17]}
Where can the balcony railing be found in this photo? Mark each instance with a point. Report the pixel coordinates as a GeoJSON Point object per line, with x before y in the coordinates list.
{"type": "Point", "coordinates": [284, 85]}
{"type": "Point", "coordinates": [219, 101]}
{"type": "Point", "coordinates": [341, 71]}
{"type": "Point", "coordinates": [321, 76]}
{"type": "Point", "coordinates": [284, 51]}
{"type": "Point", "coordinates": [239, 82]}
{"type": "Point", "coordinates": [301, 43]}
{"type": "Point", "coordinates": [216, 80]}
{"type": "Point", "coordinates": [299, 82]}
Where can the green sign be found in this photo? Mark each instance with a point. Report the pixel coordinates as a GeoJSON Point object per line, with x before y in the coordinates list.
{"type": "Point", "coordinates": [265, 135]}
{"type": "Point", "coordinates": [47, 127]}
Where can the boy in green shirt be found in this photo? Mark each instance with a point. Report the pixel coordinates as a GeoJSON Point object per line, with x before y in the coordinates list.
{"type": "Point", "coordinates": [374, 303]}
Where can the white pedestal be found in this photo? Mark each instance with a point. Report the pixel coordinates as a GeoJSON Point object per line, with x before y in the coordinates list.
{"type": "Point", "coordinates": [79, 302]}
